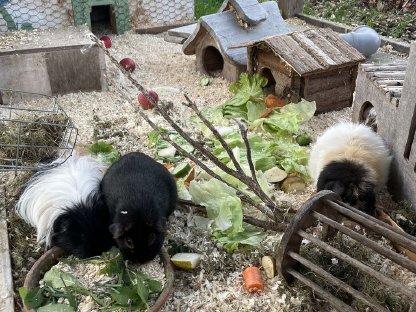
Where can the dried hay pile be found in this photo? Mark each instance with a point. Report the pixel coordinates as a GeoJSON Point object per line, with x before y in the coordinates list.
{"type": "Point", "coordinates": [31, 138]}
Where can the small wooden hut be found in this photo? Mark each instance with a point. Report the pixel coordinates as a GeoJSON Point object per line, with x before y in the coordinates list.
{"type": "Point", "coordinates": [385, 98]}
{"type": "Point", "coordinates": [239, 21]}
{"type": "Point", "coordinates": [314, 64]}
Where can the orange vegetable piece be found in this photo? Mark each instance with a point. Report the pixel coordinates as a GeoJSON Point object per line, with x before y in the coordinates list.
{"type": "Point", "coordinates": [252, 279]}
{"type": "Point", "coordinates": [266, 112]}
{"type": "Point", "coordinates": [168, 165]}
{"type": "Point", "coordinates": [273, 101]}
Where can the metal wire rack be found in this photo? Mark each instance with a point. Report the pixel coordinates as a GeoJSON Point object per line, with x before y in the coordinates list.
{"type": "Point", "coordinates": [33, 129]}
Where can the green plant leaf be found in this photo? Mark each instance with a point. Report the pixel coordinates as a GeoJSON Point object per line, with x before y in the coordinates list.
{"type": "Point", "coordinates": [248, 101]}
{"type": "Point", "coordinates": [57, 279]}
{"type": "Point", "coordinates": [124, 296]}
{"type": "Point", "coordinates": [114, 262]}
{"type": "Point", "coordinates": [104, 152]}
{"type": "Point", "coordinates": [224, 208]}
{"type": "Point", "coordinates": [32, 298]}
{"type": "Point", "coordinates": [154, 286]}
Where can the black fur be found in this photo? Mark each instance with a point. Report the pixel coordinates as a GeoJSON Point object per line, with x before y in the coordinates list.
{"type": "Point", "coordinates": [82, 230]}
{"type": "Point", "coordinates": [350, 181]}
{"type": "Point", "coordinates": [140, 194]}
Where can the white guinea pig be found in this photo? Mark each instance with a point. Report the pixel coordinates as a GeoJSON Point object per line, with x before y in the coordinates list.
{"type": "Point", "coordinates": [352, 161]}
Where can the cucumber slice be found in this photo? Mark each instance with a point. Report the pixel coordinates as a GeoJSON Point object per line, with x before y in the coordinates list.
{"type": "Point", "coordinates": [181, 170]}
{"type": "Point", "coordinates": [186, 260]}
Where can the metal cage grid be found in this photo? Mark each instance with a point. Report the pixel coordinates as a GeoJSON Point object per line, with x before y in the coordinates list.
{"type": "Point", "coordinates": [33, 129]}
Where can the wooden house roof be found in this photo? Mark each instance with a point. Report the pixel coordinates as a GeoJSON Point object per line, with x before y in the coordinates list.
{"type": "Point", "coordinates": [311, 50]}
{"type": "Point", "coordinates": [250, 11]}
{"type": "Point", "coordinates": [227, 31]}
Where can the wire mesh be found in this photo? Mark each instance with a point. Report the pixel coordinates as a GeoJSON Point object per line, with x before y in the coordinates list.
{"type": "Point", "coordinates": [34, 14]}
{"type": "Point", "coordinates": [33, 129]}
{"type": "Point", "coordinates": [122, 15]}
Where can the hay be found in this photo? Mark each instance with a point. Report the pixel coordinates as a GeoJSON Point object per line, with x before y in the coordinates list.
{"type": "Point", "coordinates": [31, 138]}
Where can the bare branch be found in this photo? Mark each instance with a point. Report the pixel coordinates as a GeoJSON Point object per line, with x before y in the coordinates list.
{"type": "Point", "coordinates": [243, 132]}
{"type": "Point", "coordinates": [239, 173]}
{"type": "Point", "coordinates": [267, 225]}
{"type": "Point", "coordinates": [214, 131]}
{"type": "Point", "coordinates": [242, 196]}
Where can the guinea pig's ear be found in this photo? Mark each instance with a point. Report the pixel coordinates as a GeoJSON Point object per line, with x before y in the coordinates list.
{"type": "Point", "coordinates": [116, 229]}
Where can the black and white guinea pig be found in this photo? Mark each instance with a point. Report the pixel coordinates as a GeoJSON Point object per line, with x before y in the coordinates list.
{"type": "Point", "coordinates": [352, 161]}
{"type": "Point", "coordinates": [62, 201]}
{"type": "Point", "coordinates": [140, 194]}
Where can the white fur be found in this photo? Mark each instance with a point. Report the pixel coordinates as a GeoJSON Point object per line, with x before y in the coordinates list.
{"type": "Point", "coordinates": [48, 193]}
{"type": "Point", "coordinates": [354, 142]}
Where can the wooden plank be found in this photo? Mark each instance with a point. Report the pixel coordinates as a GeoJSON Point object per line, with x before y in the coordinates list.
{"type": "Point", "coordinates": [309, 46]}
{"type": "Point", "coordinates": [385, 74]}
{"type": "Point", "coordinates": [25, 72]}
{"type": "Point", "coordinates": [296, 57]}
{"type": "Point", "coordinates": [327, 46]}
{"type": "Point", "coordinates": [291, 7]}
{"type": "Point", "coordinates": [344, 47]}
{"type": "Point", "coordinates": [330, 80]}
{"type": "Point", "coordinates": [250, 11]}
{"type": "Point", "coordinates": [384, 67]}
{"type": "Point", "coordinates": [266, 58]}
{"type": "Point", "coordinates": [328, 96]}
{"type": "Point", "coordinates": [389, 82]}
{"type": "Point", "coordinates": [6, 279]}
{"type": "Point", "coordinates": [71, 71]}
{"type": "Point", "coordinates": [182, 32]}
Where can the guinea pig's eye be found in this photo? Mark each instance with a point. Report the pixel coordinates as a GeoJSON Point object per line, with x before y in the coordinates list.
{"type": "Point", "coordinates": [151, 238]}
{"type": "Point", "coordinates": [129, 242]}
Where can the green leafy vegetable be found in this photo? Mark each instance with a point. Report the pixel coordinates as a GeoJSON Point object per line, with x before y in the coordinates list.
{"type": "Point", "coordinates": [128, 288]}
{"type": "Point", "coordinates": [248, 101]}
{"type": "Point", "coordinates": [157, 142]}
{"type": "Point", "coordinates": [32, 298]}
{"type": "Point", "coordinates": [286, 121]}
{"type": "Point", "coordinates": [105, 152]}
{"type": "Point", "coordinates": [225, 212]}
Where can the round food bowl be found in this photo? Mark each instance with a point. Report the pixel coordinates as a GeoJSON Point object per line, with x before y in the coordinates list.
{"type": "Point", "coordinates": [50, 258]}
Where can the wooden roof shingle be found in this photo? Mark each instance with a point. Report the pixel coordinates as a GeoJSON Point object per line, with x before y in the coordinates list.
{"type": "Point", "coordinates": [311, 51]}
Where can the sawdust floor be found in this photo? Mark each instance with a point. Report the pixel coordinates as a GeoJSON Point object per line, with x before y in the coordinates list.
{"type": "Point", "coordinates": [216, 285]}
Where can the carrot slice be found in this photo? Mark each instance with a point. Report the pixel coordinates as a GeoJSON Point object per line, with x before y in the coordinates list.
{"type": "Point", "coordinates": [252, 279]}
{"type": "Point", "coordinates": [168, 165]}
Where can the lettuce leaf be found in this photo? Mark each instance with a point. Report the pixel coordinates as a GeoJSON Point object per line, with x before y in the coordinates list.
{"type": "Point", "coordinates": [225, 213]}
{"type": "Point", "coordinates": [248, 101]}
{"type": "Point", "coordinates": [104, 152]}
{"type": "Point", "coordinates": [286, 121]}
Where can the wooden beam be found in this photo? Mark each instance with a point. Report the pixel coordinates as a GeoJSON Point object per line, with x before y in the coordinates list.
{"type": "Point", "coordinates": [6, 280]}
{"type": "Point", "coordinates": [290, 8]}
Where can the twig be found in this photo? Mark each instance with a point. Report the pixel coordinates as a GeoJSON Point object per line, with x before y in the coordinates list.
{"type": "Point", "coordinates": [239, 175]}
{"type": "Point", "coordinates": [214, 131]}
{"type": "Point", "coordinates": [252, 184]}
{"type": "Point", "coordinates": [267, 225]}
{"type": "Point", "coordinates": [126, 73]}
{"type": "Point", "coordinates": [242, 196]}
{"type": "Point", "coordinates": [246, 180]}
{"type": "Point", "coordinates": [243, 131]}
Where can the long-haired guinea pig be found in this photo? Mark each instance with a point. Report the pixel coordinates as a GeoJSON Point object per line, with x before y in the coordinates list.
{"type": "Point", "coordinates": [140, 194]}
{"type": "Point", "coordinates": [61, 201]}
{"type": "Point", "coordinates": [352, 161]}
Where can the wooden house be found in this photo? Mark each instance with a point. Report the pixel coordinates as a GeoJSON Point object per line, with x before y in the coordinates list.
{"type": "Point", "coordinates": [239, 21]}
{"type": "Point", "coordinates": [385, 98]}
{"type": "Point", "coordinates": [314, 64]}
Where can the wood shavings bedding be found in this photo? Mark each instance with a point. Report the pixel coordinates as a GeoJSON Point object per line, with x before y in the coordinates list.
{"type": "Point", "coordinates": [216, 284]}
